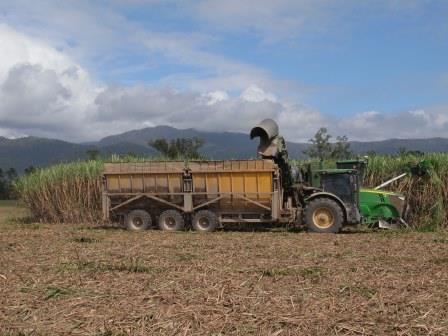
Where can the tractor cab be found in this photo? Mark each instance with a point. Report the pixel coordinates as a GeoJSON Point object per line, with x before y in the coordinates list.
{"type": "Point", "coordinates": [360, 165]}
{"type": "Point", "coordinates": [378, 207]}
{"type": "Point", "coordinates": [344, 184]}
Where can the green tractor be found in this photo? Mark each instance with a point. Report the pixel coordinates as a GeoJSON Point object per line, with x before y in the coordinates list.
{"type": "Point", "coordinates": [377, 208]}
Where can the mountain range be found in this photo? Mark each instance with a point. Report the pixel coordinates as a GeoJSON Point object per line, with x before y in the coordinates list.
{"type": "Point", "coordinates": [39, 152]}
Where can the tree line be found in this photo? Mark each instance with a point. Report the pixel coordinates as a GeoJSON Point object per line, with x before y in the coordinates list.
{"type": "Point", "coordinates": [320, 147]}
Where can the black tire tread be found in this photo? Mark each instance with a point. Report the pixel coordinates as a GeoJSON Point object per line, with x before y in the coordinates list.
{"type": "Point", "coordinates": [180, 222]}
{"type": "Point", "coordinates": [330, 204]}
{"type": "Point", "coordinates": [212, 217]}
{"type": "Point", "coordinates": [147, 222]}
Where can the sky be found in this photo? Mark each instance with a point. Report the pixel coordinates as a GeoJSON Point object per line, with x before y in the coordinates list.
{"type": "Point", "coordinates": [81, 70]}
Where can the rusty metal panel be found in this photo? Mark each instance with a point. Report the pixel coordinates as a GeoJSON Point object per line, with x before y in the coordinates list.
{"type": "Point", "coordinates": [150, 183]}
{"type": "Point", "coordinates": [199, 184]}
{"type": "Point", "coordinates": [251, 178]}
{"type": "Point", "coordinates": [137, 182]}
{"type": "Point", "coordinates": [175, 183]}
{"type": "Point", "coordinates": [144, 167]}
{"type": "Point", "coordinates": [231, 165]}
{"type": "Point", "coordinates": [144, 183]}
{"type": "Point", "coordinates": [113, 183]}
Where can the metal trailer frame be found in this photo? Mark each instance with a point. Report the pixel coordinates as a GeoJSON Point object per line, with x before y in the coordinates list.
{"type": "Point", "coordinates": [274, 212]}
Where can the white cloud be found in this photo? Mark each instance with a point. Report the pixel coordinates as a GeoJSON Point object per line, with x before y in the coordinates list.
{"type": "Point", "coordinates": [45, 92]}
{"type": "Point", "coordinates": [18, 48]}
{"type": "Point", "coordinates": [215, 111]}
{"type": "Point", "coordinates": [215, 97]}
{"type": "Point", "coordinates": [256, 94]}
{"type": "Point", "coordinates": [374, 125]}
{"type": "Point", "coordinates": [42, 91]}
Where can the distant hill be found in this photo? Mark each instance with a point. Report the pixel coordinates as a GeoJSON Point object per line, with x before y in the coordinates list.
{"type": "Point", "coordinates": [24, 152]}
{"type": "Point", "coordinates": [218, 145]}
{"type": "Point", "coordinates": [40, 152]}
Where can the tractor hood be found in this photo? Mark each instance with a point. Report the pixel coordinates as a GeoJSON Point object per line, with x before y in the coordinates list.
{"type": "Point", "coordinates": [374, 198]}
{"type": "Point", "coordinates": [381, 192]}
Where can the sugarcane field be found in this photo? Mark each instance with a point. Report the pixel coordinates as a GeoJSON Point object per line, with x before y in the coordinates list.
{"type": "Point", "coordinates": [209, 167]}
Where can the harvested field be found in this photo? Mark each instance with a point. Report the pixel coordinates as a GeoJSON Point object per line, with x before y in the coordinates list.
{"type": "Point", "coordinates": [78, 280]}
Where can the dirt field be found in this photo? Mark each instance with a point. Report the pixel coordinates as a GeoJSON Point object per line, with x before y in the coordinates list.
{"type": "Point", "coordinates": [61, 280]}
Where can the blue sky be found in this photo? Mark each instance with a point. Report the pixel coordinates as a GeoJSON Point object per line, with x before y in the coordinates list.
{"type": "Point", "coordinates": [371, 69]}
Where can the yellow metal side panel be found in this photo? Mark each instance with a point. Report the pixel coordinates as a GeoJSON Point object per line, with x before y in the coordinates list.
{"type": "Point", "coordinates": [150, 183]}
{"type": "Point", "coordinates": [113, 183]}
{"type": "Point", "coordinates": [137, 183]}
{"type": "Point", "coordinates": [250, 184]}
{"type": "Point", "coordinates": [238, 182]}
{"type": "Point", "coordinates": [175, 183]}
{"type": "Point", "coordinates": [125, 183]}
{"type": "Point", "coordinates": [265, 184]}
{"type": "Point", "coordinates": [212, 183]}
{"type": "Point", "coordinates": [199, 183]}
{"type": "Point", "coordinates": [161, 183]}
{"type": "Point", "coordinates": [225, 185]}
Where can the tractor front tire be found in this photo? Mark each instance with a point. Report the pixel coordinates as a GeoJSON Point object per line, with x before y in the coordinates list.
{"type": "Point", "coordinates": [171, 220]}
{"type": "Point", "coordinates": [138, 220]}
{"type": "Point", "coordinates": [323, 215]}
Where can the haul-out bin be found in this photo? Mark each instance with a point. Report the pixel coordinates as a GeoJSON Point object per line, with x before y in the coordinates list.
{"type": "Point", "coordinates": [231, 190]}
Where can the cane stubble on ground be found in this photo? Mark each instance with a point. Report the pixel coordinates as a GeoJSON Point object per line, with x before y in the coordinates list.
{"type": "Point", "coordinates": [79, 280]}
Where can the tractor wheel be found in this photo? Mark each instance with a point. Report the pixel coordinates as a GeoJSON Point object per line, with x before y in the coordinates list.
{"type": "Point", "coordinates": [138, 220]}
{"type": "Point", "coordinates": [205, 221]}
{"type": "Point", "coordinates": [324, 215]}
{"type": "Point", "coordinates": [171, 220]}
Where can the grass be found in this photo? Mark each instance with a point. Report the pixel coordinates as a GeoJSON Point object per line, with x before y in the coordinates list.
{"type": "Point", "coordinates": [8, 203]}
{"type": "Point", "coordinates": [54, 292]}
{"type": "Point", "coordinates": [365, 292]}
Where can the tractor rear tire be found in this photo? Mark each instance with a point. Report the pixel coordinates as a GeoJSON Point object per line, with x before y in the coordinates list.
{"type": "Point", "coordinates": [205, 221]}
{"type": "Point", "coordinates": [138, 220]}
{"type": "Point", "coordinates": [171, 220]}
{"type": "Point", "coordinates": [323, 215]}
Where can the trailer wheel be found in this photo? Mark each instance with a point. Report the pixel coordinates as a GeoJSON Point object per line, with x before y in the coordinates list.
{"type": "Point", "coordinates": [171, 220]}
{"type": "Point", "coordinates": [324, 215]}
{"type": "Point", "coordinates": [205, 221]}
{"type": "Point", "coordinates": [138, 220]}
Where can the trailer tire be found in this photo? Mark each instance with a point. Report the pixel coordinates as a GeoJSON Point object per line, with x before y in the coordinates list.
{"type": "Point", "coordinates": [138, 220]}
{"type": "Point", "coordinates": [323, 215]}
{"type": "Point", "coordinates": [205, 221]}
{"type": "Point", "coordinates": [171, 220]}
